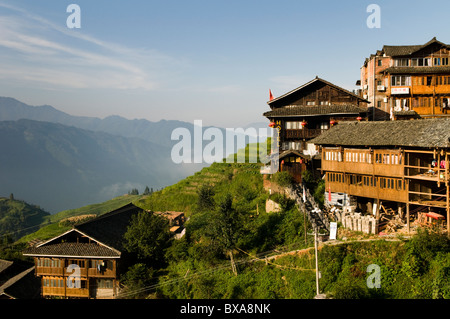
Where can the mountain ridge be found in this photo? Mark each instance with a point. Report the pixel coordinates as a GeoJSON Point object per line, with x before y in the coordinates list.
{"type": "Point", "coordinates": [59, 167]}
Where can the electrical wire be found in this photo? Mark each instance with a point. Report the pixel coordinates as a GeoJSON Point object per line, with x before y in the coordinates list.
{"type": "Point", "coordinates": [256, 257]}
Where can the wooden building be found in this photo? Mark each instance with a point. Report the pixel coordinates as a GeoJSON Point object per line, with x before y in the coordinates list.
{"type": "Point", "coordinates": [303, 114]}
{"type": "Point", "coordinates": [86, 261]}
{"type": "Point", "coordinates": [404, 164]}
{"type": "Point", "coordinates": [404, 81]}
{"type": "Point", "coordinates": [176, 222]}
{"type": "Point", "coordinates": [17, 281]}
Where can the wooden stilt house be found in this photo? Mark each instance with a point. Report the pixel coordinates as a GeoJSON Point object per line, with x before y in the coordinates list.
{"type": "Point", "coordinates": [404, 163]}
{"type": "Point", "coordinates": [303, 114]}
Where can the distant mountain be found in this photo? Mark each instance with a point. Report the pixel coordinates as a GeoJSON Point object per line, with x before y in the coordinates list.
{"type": "Point", "coordinates": [60, 167]}
{"type": "Point", "coordinates": [60, 161]}
{"type": "Point", "coordinates": [18, 218]}
{"type": "Point", "coordinates": [156, 132]}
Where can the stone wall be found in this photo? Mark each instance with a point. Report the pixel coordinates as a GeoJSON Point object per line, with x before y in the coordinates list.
{"type": "Point", "coordinates": [356, 221]}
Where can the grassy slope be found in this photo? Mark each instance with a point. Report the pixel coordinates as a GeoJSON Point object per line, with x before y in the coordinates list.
{"type": "Point", "coordinates": [243, 180]}
{"type": "Point", "coordinates": [18, 218]}
{"type": "Point", "coordinates": [51, 226]}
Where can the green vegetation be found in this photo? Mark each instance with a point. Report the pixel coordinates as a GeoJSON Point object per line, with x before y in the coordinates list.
{"type": "Point", "coordinates": [147, 238]}
{"type": "Point", "coordinates": [18, 218]}
{"type": "Point", "coordinates": [229, 233]}
{"type": "Point", "coordinates": [53, 225]}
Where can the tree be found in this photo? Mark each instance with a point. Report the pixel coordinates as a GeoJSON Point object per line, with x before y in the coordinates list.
{"type": "Point", "coordinates": [135, 280]}
{"type": "Point", "coordinates": [134, 191]}
{"type": "Point", "coordinates": [205, 198]}
{"type": "Point", "coordinates": [147, 237]}
{"type": "Point", "coordinates": [225, 227]}
{"type": "Point", "coordinates": [146, 191]}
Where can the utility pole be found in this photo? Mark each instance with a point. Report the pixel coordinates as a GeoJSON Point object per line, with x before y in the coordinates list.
{"type": "Point", "coordinates": [316, 234]}
{"type": "Point", "coordinates": [317, 262]}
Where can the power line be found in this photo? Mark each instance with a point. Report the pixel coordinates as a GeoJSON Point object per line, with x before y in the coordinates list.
{"type": "Point", "coordinates": [256, 257]}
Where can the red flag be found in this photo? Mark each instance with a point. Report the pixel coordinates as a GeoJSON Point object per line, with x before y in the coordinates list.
{"type": "Point", "coordinates": [270, 95]}
{"type": "Point", "coordinates": [329, 194]}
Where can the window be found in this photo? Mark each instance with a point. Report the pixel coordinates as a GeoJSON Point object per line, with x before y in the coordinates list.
{"type": "Point", "coordinates": [295, 146]}
{"type": "Point", "coordinates": [437, 61]}
{"type": "Point", "coordinates": [293, 125]}
{"type": "Point", "coordinates": [311, 103]}
{"type": "Point", "coordinates": [46, 282]}
{"type": "Point", "coordinates": [380, 62]}
{"type": "Point", "coordinates": [401, 80]}
{"type": "Point", "coordinates": [421, 62]}
{"type": "Point", "coordinates": [444, 61]}
{"type": "Point", "coordinates": [401, 62]}
{"type": "Point", "coordinates": [105, 283]}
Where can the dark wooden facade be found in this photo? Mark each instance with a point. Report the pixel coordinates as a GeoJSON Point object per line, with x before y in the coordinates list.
{"type": "Point", "coordinates": [86, 261]}
{"type": "Point", "coordinates": [303, 114]}
{"type": "Point", "coordinates": [403, 162]}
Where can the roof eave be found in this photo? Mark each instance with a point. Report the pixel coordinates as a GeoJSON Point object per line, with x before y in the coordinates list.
{"type": "Point", "coordinates": [82, 233]}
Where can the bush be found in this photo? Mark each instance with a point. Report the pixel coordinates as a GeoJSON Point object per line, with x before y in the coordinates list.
{"type": "Point", "coordinates": [284, 179]}
{"type": "Point", "coordinates": [136, 280]}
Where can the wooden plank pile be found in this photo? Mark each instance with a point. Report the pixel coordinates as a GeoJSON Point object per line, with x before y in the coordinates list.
{"type": "Point", "coordinates": [390, 221]}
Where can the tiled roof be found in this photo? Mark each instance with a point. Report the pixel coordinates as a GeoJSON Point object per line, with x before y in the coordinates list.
{"type": "Point", "coordinates": [110, 227]}
{"type": "Point", "coordinates": [398, 50]}
{"type": "Point", "coordinates": [4, 264]}
{"type": "Point", "coordinates": [315, 110]}
{"type": "Point", "coordinates": [424, 133]}
{"type": "Point", "coordinates": [306, 85]}
{"type": "Point", "coordinates": [105, 234]}
{"type": "Point", "coordinates": [22, 286]}
{"type": "Point", "coordinates": [416, 69]}
{"type": "Point", "coordinates": [72, 250]}
{"type": "Point", "coordinates": [404, 50]}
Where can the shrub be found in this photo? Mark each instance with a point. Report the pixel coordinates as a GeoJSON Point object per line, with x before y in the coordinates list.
{"type": "Point", "coordinates": [284, 179]}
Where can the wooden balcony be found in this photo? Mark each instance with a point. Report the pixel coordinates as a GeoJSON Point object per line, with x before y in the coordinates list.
{"type": "Point", "coordinates": [365, 162]}
{"type": "Point", "coordinates": [84, 272]}
{"type": "Point", "coordinates": [67, 292]}
{"type": "Point", "coordinates": [399, 195]}
{"type": "Point", "coordinates": [305, 133]}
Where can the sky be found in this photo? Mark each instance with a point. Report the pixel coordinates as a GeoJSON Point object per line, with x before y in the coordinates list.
{"type": "Point", "coordinates": [189, 60]}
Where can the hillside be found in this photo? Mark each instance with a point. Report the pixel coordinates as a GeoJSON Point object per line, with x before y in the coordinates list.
{"type": "Point", "coordinates": [54, 224]}
{"type": "Point", "coordinates": [60, 161]}
{"type": "Point", "coordinates": [271, 256]}
{"type": "Point", "coordinates": [243, 180]}
{"type": "Point", "coordinates": [18, 218]}
{"type": "Point", "coordinates": [60, 167]}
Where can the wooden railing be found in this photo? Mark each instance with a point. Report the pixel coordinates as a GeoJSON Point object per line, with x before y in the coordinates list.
{"type": "Point", "coordinates": [61, 271]}
{"type": "Point", "coordinates": [303, 133]}
{"type": "Point", "coordinates": [67, 292]}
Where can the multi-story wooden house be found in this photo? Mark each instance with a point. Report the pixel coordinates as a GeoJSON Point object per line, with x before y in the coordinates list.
{"type": "Point", "coordinates": [304, 113]}
{"type": "Point", "coordinates": [86, 261]}
{"type": "Point", "coordinates": [404, 164]}
{"type": "Point", "coordinates": [408, 81]}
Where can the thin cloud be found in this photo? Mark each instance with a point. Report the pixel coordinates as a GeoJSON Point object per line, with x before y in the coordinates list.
{"type": "Point", "coordinates": [89, 62]}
